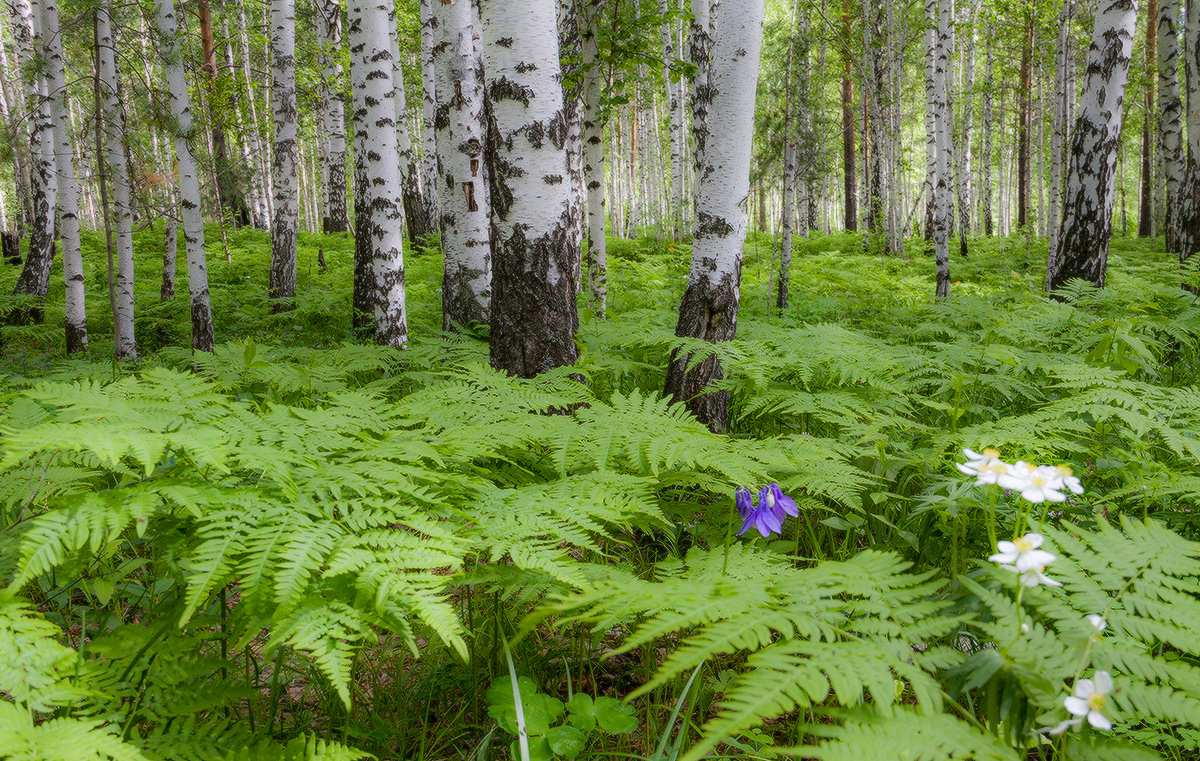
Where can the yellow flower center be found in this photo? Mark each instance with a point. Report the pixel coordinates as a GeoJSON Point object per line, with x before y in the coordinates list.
{"type": "Point", "coordinates": [1064, 471]}
{"type": "Point", "coordinates": [1023, 545]}
{"type": "Point", "coordinates": [1096, 701]}
{"type": "Point", "coordinates": [992, 453]}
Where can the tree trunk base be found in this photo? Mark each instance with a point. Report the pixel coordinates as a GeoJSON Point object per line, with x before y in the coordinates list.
{"type": "Point", "coordinates": [10, 246]}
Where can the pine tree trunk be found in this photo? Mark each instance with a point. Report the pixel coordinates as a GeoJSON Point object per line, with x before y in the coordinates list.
{"type": "Point", "coordinates": [943, 120]}
{"type": "Point", "coordinates": [1087, 205]}
{"type": "Point", "coordinates": [1146, 187]}
{"type": "Point", "coordinates": [118, 171]}
{"type": "Point", "coordinates": [429, 159]}
{"type": "Point", "coordinates": [709, 306]}
{"type": "Point", "coordinates": [68, 189]}
{"type": "Point", "coordinates": [34, 280]}
{"type": "Point", "coordinates": [459, 120]}
{"type": "Point", "coordinates": [286, 153]}
{"type": "Point", "coordinates": [380, 203]}
{"type": "Point", "coordinates": [533, 297]}
{"type": "Point", "coordinates": [335, 218]}
{"type": "Point", "coordinates": [189, 179]}
{"type": "Point", "coordinates": [593, 160]}
{"type": "Point", "coordinates": [1170, 112]}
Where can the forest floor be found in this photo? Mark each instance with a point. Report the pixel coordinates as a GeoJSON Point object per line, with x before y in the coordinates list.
{"type": "Point", "coordinates": [857, 399]}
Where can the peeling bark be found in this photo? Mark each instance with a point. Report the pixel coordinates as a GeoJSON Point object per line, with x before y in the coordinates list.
{"type": "Point", "coordinates": [709, 306]}
{"type": "Point", "coordinates": [533, 294]}
{"type": "Point", "coordinates": [1091, 171]}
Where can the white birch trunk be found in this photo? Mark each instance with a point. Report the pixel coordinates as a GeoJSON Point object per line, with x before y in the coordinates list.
{"type": "Point", "coordinates": [965, 189]}
{"type": "Point", "coordinates": [1057, 137]}
{"type": "Point", "coordinates": [68, 188]}
{"type": "Point", "coordinates": [466, 207]}
{"type": "Point", "coordinates": [985, 201]}
{"type": "Point", "coordinates": [931, 144]}
{"type": "Point", "coordinates": [34, 279]}
{"type": "Point", "coordinates": [943, 120]}
{"type": "Point", "coordinates": [417, 223]}
{"type": "Point", "coordinates": [335, 217]}
{"type": "Point", "coordinates": [674, 88]}
{"type": "Point", "coordinates": [593, 159]}
{"type": "Point", "coordinates": [1170, 117]}
{"type": "Point", "coordinates": [1087, 206]}
{"type": "Point", "coordinates": [429, 159]}
{"type": "Point", "coordinates": [699, 48]}
{"type": "Point", "coordinates": [13, 113]}
{"type": "Point", "coordinates": [1189, 195]}
{"type": "Point", "coordinates": [285, 153]}
{"type": "Point", "coordinates": [189, 179]}
{"type": "Point", "coordinates": [569, 54]}
{"type": "Point", "coordinates": [375, 140]}
{"type": "Point", "coordinates": [260, 182]}
{"type": "Point", "coordinates": [709, 306]}
{"type": "Point", "coordinates": [122, 217]}
{"type": "Point", "coordinates": [533, 294]}
{"type": "Point", "coordinates": [786, 212]}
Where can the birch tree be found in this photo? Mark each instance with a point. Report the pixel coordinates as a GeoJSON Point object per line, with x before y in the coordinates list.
{"type": "Point", "coordinates": [34, 280]}
{"type": "Point", "coordinates": [786, 212]}
{"type": "Point", "coordinates": [189, 180]}
{"type": "Point", "coordinates": [466, 246]}
{"type": "Point", "coordinates": [1170, 116]}
{"type": "Point", "coordinates": [285, 151]}
{"type": "Point", "coordinates": [533, 297]}
{"type": "Point", "coordinates": [429, 158]}
{"type": "Point", "coordinates": [674, 89]}
{"type": "Point", "coordinates": [416, 215]}
{"type": "Point", "coordinates": [1189, 195]}
{"type": "Point", "coordinates": [335, 218]}
{"type": "Point", "coordinates": [593, 158]}
{"type": "Point", "coordinates": [943, 208]}
{"type": "Point", "coordinates": [380, 219]}
{"type": "Point", "coordinates": [874, 76]}
{"type": "Point", "coordinates": [964, 174]}
{"type": "Point", "coordinates": [1058, 136]}
{"type": "Point", "coordinates": [125, 343]}
{"type": "Point", "coordinates": [1087, 205]}
{"type": "Point", "coordinates": [68, 189]}
{"type": "Point", "coordinates": [709, 307]}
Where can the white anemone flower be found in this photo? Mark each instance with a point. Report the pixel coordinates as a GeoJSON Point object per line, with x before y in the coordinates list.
{"type": "Point", "coordinates": [1023, 553]}
{"type": "Point", "coordinates": [1016, 477]}
{"type": "Point", "coordinates": [1089, 699]}
{"type": "Point", "coordinates": [1034, 577]}
{"type": "Point", "coordinates": [1042, 484]}
{"type": "Point", "coordinates": [1098, 623]}
{"type": "Point", "coordinates": [1069, 480]}
{"type": "Point", "coordinates": [978, 461]}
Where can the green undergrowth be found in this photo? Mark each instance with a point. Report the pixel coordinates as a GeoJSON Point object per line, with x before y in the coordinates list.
{"type": "Point", "coordinates": [306, 547]}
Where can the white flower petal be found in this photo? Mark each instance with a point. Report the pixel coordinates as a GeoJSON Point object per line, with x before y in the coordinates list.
{"type": "Point", "coordinates": [1098, 720]}
{"type": "Point", "coordinates": [1084, 687]}
{"type": "Point", "coordinates": [1006, 547]}
{"type": "Point", "coordinates": [1034, 559]}
{"type": "Point", "coordinates": [1076, 706]}
{"type": "Point", "coordinates": [1035, 539]}
{"type": "Point", "coordinates": [967, 468]}
{"type": "Point", "coordinates": [1097, 620]}
{"type": "Point", "coordinates": [1104, 682]}
{"type": "Point", "coordinates": [1061, 727]}
{"type": "Point", "coordinates": [1003, 557]}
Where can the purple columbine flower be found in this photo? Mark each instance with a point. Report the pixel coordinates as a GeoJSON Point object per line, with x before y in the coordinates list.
{"type": "Point", "coordinates": [745, 502]}
{"type": "Point", "coordinates": [768, 516]}
{"type": "Point", "coordinates": [781, 504]}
